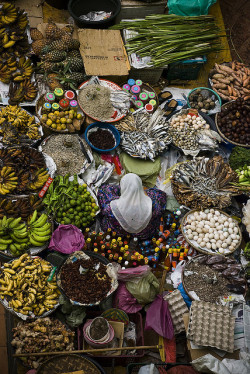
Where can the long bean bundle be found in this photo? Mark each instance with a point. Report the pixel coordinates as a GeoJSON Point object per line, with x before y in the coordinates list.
{"type": "Point", "coordinates": [170, 38]}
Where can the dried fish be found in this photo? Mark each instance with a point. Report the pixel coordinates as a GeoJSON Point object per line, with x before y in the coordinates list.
{"type": "Point", "coordinates": [203, 182]}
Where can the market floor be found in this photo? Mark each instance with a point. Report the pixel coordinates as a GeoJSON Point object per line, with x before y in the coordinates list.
{"type": "Point", "coordinates": [3, 343]}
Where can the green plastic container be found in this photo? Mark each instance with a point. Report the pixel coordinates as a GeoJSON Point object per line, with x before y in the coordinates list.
{"type": "Point", "coordinates": [184, 70]}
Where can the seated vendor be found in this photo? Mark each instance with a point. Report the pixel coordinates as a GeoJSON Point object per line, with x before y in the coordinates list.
{"type": "Point", "coordinates": [128, 209]}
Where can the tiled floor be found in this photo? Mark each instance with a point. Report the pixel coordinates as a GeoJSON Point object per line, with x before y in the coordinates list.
{"type": "Point", "coordinates": [3, 347]}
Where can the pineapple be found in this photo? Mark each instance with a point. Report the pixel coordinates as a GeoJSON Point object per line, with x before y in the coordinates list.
{"type": "Point", "coordinates": [74, 53]}
{"type": "Point", "coordinates": [73, 64]}
{"type": "Point", "coordinates": [36, 34]}
{"type": "Point", "coordinates": [55, 56]}
{"type": "Point", "coordinates": [52, 31]}
{"type": "Point", "coordinates": [68, 28]}
{"type": "Point", "coordinates": [76, 77]}
{"type": "Point", "coordinates": [38, 45]}
{"type": "Point", "coordinates": [59, 45]}
{"type": "Point", "coordinates": [48, 65]}
{"type": "Point", "coordinates": [53, 82]}
{"type": "Point", "coordinates": [74, 44]}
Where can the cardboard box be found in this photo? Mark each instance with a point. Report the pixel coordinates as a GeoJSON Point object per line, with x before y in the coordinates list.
{"type": "Point", "coordinates": [104, 54]}
{"type": "Point", "coordinates": [119, 334]}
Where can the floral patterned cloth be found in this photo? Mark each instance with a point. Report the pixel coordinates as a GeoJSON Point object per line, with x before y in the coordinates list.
{"type": "Point", "coordinates": [107, 193]}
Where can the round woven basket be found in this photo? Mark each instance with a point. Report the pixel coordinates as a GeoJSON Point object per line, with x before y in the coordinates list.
{"type": "Point", "coordinates": [221, 133]}
{"type": "Point", "coordinates": [196, 246]}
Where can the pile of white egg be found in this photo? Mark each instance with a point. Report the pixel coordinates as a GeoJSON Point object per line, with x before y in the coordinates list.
{"type": "Point", "coordinates": [212, 230]}
{"type": "Point", "coordinates": [183, 121]}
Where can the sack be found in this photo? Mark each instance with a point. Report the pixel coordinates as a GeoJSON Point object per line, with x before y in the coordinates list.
{"type": "Point", "coordinates": [145, 290]}
{"type": "Point", "coordinates": [189, 8]}
{"type": "Point", "coordinates": [125, 301]}
{"type": "Point", "coordinates": [159, 318]}
{"type": "Point", "coordinates": [67, 239]}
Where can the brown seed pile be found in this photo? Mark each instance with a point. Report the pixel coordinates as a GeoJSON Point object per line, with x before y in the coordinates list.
{"type": "Point", "coordinates": [102, 139]}
{"type": "Point", "coordinates": [88, 287]}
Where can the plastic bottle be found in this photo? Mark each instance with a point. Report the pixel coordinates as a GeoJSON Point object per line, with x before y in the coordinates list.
{"type": "Point", "coordinates": [86, 233]}
{"type": "Point", "coordinates": [133, 245]}
{"type": "Point", "coordinates": [108, 238]}
{"type": "Point", "coordinates": [88, 244]}
{"type": "Point", "coordinates": [175, 259]}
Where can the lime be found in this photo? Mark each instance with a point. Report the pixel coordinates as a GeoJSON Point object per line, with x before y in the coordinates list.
{"type": "Point", "coordinates": [64, 214]}
{"type": "Point", "coordinates": [67, 221]}
{"type": "Point", "coordinates": [71, 210]}
{"type": "Point", "coordinates": [78, 208]}
{"type": "Point", "coordinates": [72, 202]}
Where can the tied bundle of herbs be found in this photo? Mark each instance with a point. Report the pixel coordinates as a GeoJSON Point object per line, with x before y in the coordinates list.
{"type": "Point", "coordinates": [169, 38]}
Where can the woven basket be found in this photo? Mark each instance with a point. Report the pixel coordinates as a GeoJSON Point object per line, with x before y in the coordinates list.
{"type": "Point", "coordinates": [196, 245]}
{"type": "Point", "coordinates": [221, 133]}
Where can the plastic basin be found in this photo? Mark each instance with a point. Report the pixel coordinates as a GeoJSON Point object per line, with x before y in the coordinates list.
{"type": "Point", "coordinates": [103, 125]}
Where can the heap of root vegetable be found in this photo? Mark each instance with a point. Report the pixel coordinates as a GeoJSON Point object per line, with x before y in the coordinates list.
{"type": "Point", "coordinates": [231, 80]}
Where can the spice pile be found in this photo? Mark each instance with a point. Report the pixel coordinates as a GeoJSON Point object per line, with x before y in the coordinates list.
{"type": "Point", "coordinates": [101, 138]}
{"type": "Point", "coordinates": [85, 281]}
{"type": "Point", "coordinates": [94, 99]}
{"type": "Point", "coordinates": [66, 152]}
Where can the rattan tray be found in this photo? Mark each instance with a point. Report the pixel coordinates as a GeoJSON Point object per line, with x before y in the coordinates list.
{"type": "Point", "coordinates": [196, 246]}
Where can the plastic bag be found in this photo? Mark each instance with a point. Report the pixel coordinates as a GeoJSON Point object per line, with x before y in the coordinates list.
{"type": "Point", "coordinates": [145, 290]}
{"type": "Point", "coordinates": [67, 239]}
{"type": "Point", "coordinates": [133, 274]}
{"type": "Point", "coordinates": [148, 369]}
{"type": "Point", "coordinates": [189, 8]}
{"type": "Point", "coordinates": [186, 298]}
{"type": "Point", "coordinates": [125, 301]}
{"type": "Point", "coordinates": [159, 318]}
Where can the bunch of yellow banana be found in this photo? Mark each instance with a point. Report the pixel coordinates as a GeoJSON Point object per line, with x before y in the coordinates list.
{"type": "Point", "coordinates": [13, 235]}
{"type": "Point", "coordinates": [8, 180]}
{"type": "Point", "coordinates": [25, 91]}
{"type": "Point", "coordinates": [39, 229]}
{"type": "Point", "coordinates": [5, 73]}
{"type": "Point", "coordinates": [38, 179]}
{"type": "Point", "coordinates": [22, 20]}
{"type": "Point", "coordinates": [24, 70]}
{"type": "Point", "coordinates": [24, 282]}
{"type": "Point", "coordinates": [8, 14]}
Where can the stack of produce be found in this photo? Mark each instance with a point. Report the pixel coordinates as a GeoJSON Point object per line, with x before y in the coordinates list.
{"type": "Point", "coordinates": [231, 80]}
{"type": "Point", "coordinates": [18, 126]}
{"type": "Point", "coordinates": [23, 171]}
{"type": "Point", "coordinates": [25, 288]}
{"type": "Point", "coordinates": [171, 38]}
{"type": "Point", "coordinates": [17, 236]}
{"type": "Point", "coordinates": [60, 54]}
{"type": "Point", "coordinates": [43, 334]}
{"type": "Point", "coordinates": [15, 68]}
{"type": "Point", "coordinates": [21, 207]}
{"type": "Point", "coordinates": [70, 202]}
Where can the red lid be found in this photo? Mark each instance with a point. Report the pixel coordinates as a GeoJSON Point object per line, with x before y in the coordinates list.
{"type": "Point", "coordinates": [149, 108]}
{"type": "Point", "coordinates": [64, 103]}
{"type": "Point", "coordinates": [69, 95]}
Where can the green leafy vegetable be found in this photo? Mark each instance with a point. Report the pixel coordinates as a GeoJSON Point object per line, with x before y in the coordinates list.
{"type": "Point", "coordinates": [239, 157]}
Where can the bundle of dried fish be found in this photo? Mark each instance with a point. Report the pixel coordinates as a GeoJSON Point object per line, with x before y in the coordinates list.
{"type": "Point", "coordinates": [150, 136]}
{"type": "Point", "coordinates": [126, 124]}
{"type": "Point", "coordinates": [203, 183]}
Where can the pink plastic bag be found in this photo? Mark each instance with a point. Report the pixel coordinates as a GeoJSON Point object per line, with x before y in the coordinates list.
{"type": "Point", "coordinates": [125, 301]}
{"type": "Point", "coordinates": [138, 272]}
{"type": "Point", "coordinates": [159, 319]}
{"type": "Point", "coordinates": [67, 239]}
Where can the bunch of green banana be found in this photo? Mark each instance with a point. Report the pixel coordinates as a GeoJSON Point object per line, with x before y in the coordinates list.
{"type": "Point", "coordinates": [39, 229]}
{"type": "Point", "coordinates": [244, 178]}
{"type": "Point", "coordinates": [13, 235]}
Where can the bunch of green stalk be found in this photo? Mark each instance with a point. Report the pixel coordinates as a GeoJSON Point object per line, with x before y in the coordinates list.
{"type": "Point", "coordinates": [169, 38]}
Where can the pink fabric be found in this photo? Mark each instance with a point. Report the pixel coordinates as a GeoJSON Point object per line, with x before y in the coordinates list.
{"type": "Point", "coordinates": [138, 272]}
{"type": "Point", "coordinates": [125, 301]}
{"type": "Point", "coordinates": [67, 239]}
{"type": "Point", "coordinates": [159, 318]}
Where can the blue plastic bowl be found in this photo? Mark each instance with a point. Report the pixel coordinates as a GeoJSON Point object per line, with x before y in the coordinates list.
{"type": "Point", "coordinates": [103, 125]}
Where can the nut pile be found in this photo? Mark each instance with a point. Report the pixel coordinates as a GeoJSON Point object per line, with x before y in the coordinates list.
{"type": "Point", "coordinates": [198, 100]}
{"type": "Point", "coordinates": [234, 121]}
{"type": "Point", "coordinates": [88, 287]}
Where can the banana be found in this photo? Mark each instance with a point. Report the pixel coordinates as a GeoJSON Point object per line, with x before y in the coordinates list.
{"type": "Point", "coordinates": [3, 247]}
{"type": "Point", "coordinates": [33, 218]}
{"type": "Point", "coordinates": [41, 233]}
{"type": "Point", "coordinates": [9, 44]}
{"type": "Point", "coordinates": [41, 239]}
{"type": "Point", "coordinates": [43, 228]}
{"type": "Point", "coordinates": [5, 241]}
{"type": "Point", "coordinates": [15, 223]}
{"type": "Point", "coordinates": [35, 242]}
{"type": "Point", "coordinates": [41, 221]}
{"type": "Point", "coordinates": [18, 235]}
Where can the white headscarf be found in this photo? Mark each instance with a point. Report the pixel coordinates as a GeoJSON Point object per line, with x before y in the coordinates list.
{"type": "Point", "coordinates": [133, 210]}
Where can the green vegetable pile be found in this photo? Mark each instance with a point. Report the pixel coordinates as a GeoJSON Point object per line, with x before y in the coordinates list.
{"type": "Point", "coordinates": [239, 157]}
{"type": "Point", "coordinates": [169, 38]}
{"type": "Point", "coordinates": [247, 251]}
{"type": "Point", "coordinates": [70, 203]}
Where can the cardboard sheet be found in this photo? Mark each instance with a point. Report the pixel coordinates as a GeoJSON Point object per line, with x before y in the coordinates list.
{"type": "Point", "coordinates": [103, 52]}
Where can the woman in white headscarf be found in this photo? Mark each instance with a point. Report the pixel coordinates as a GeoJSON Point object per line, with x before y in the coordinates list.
{"type": "Point", "coordinates": [129, 209]}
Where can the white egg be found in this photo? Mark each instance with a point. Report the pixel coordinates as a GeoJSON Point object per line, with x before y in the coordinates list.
{"type": "Point", "coordinates": [190, 237]}
{"type": "Point", "coordinates": [199, 230]}
{"type": "Point", "coordinates": [221, 250]}
{"type": "Point", "coordinates": [224, 245]}
{"type": "Point", "coordinates": [211, 230]}
{"type": "Point", "coordinates": [196, 214]}
{"type": "Point", "coordinates": [209, 216]}
{"type": "Point", "coordinates": [208, 245]}
{"type": "Point", "coordinates": [206, 211]}
{"type": "Point", "coordinates": [230, 219]}
{"type": "Point", "coordinates": [225, 229]}
{"type": "Point", "coordinates": [216, 219]}
{"type": "Point", "coordinates": [206, 227]}
{"type": "Point", "coordinates": [213, 241]}
{"type": "Point", "coordinates": [212, 210]}
{"type": "Point", "coordinates": [195, 237]}
{"type": "Point", "coordinates": [201, 223]}
{"type": "Point", "coordinates": [207, 127]}
{"type": "Point", "coordinates": [235, 241]}
{"type": "Point", "coordinates": [213, 245]}
{"type": "Point", "coordinates": [228, 240]}
{"type": "Point", "coordinates": [199, 240]}
{"type": "Point", "coordinates": [230, 230]}
{"type": "Point", "coordinates": [231, 248]}
{"type": "Point", "coordinates": [217, 213]}
{"type": "Point", "coordinates": [222, 237]}
{"type": "Point", "coordinates": [238, 237]}
{"type": "Point", "coordinates": [236, 230]}
{"type": "Point", "coordinates": [233, 236]}
{"type": "Point", "coordinates": [203, 244]}
{"type": "Point", "coordinates": [216, 236]}
{"type": "Point", "coordinates": [189, 231]}
{"type": "Point", "coordinates": [220, 232]}
{"type": "Point", "coordinates": [231, 225]}
{"type": "Point", "coordinates": [212, 221]}
{"type": "Point", "coordinates": [199, 218]}
{"type": "Point", "coordinates": [226, 223]}
{"type": "Point", "coordinates": [206, 240]}
{"type": "Point", "coordinates": [195, 233]}
{"type": "Point", "coordinates": [211, 236]}
{"type": "Point", "coordinates": [225, 234]}
{"type": "Point", "coordinates": [218, 244]}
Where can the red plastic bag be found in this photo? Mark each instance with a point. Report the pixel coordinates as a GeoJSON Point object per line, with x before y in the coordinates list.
{"type": "Point", "coordinates": [159, 318]}
{"type": "Point", "coordinates": [67, 239]}
{"type": "Point", "coordinates": [125, 301]}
